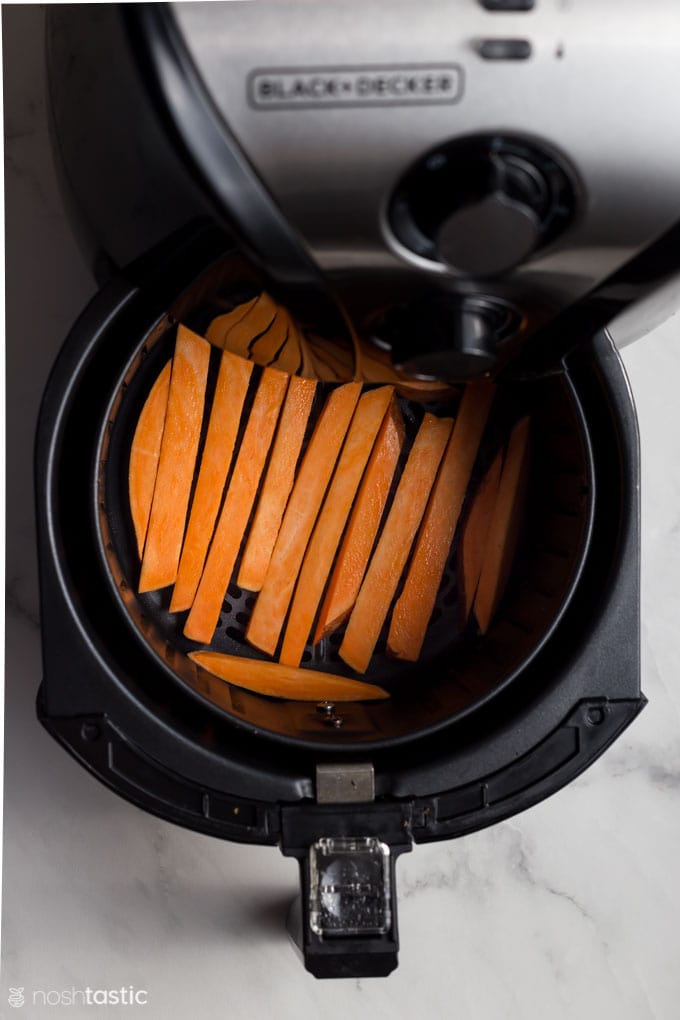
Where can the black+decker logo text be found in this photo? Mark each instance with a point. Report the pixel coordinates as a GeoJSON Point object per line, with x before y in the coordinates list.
{"type": "Point", "coordinates": [288, 88]}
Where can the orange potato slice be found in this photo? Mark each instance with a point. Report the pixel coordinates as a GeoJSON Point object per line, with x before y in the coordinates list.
{"type": "Point", "coordinates": [145, 453]}
{"type": "Point", "coordinates": [275, 680]}
{"type": "Point", "coordinates": [177, 461]}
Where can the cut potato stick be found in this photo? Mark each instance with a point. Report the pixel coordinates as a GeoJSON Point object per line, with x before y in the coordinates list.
{"type": "Point", "coordinates": [220, 326]}
{"type": "Point", "coordinates": [310, 368]}
{"type": "Point", "coordinates": [310, 486]}
{"type": "Point", "coordinates": [413, 608]}
{"type": "Point", "coordinates": [144, 455]}
{"type": "Point", "coordinates": [289, 358]}
{"type": "Point", "coordinates": [277, 484]}
{"type": "Point", "coordinates": [313, 368]}
{"type": "Point", "coordinates": [177, 460]}
{"type": "Point", "coordinates": [362, 529]}
{"type": "Point", "coordinates": [225, 415]}
{"type": "Point", "coordinates": [391, 552]}
{"type": "Point", "coordinates": [277, 681]}
{"type": "Point", "coordinates": [332, 362]}
{"type": "Point", "coordinates": [237, 506]}
{"type": "Point", "coordinates": [475, 533]}
{"type": "Point", "coordinates": [330, 525]}
{"type": "Point", "coordinates": [504, 527]}
{"type": "Point", "coordinates": [265, 348]}
{"type": "Point", "coordinates": [240, 336]}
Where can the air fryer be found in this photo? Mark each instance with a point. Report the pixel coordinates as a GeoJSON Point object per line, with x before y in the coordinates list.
{"type": "Point", "coordinates": [481, 727]}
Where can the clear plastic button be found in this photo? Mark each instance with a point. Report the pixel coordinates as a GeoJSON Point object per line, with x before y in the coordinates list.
{"type": "Point", "coordinates": [349, 879]}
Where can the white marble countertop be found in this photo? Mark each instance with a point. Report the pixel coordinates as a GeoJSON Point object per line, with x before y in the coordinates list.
{"type": "Point", "coordinates": [568, 910]}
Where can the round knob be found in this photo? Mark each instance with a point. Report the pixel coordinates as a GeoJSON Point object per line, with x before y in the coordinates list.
{"type": "Point", "coordinates": [488, 237]}
{"type": "Point", "coordinates": [482, 205]}
{"type": "Point", "coordinates": [445, 336]}
{"type": "Point", "coordinates": [461, 346]}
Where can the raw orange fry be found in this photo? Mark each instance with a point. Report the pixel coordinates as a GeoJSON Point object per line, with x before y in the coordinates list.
{"type": "Point", "coordinates": [239, 337]}
{"type": "Point", "coordinates": [309, 366]}
{"type": "Point", "coordinates": [220, 326]}
{"type": "Point", "coordinates": [504, 527]}
{"type": "Point", "coordinates": [277, 484]}
{"type": "Point", "coordinates": [237, 506]}
{"type": "Point", "coordinates": [177, 460]}
{"type": "Point", "coordinates": [310, 486]}
{"type": "Point", "coordinates": [225, 415]}
{"type": "Point", "coordinates": [413, 608]}
{"type": "Point", "coordinates": [266, 347]}
{"type": "Point", "coordinates": [391, 552]}
{"type": "Point", "coordinates": [313, 367]}
{"type": "Point", "coordinates": [359, 538]}
{"type": "Point", "coordinates": [277, 681]}
{"type": "Point", "coordinates": [289, 358]}
{"type": "Point", "coordinates": [330, 361]}
{"type": "Point", "coordinates": [328, 530]}
{"type": "Point", "coordinates": [144, 454]}
{"type": "Point", "coordinates": [475, 533]}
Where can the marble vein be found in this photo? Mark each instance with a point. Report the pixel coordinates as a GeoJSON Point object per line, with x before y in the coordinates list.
{"type": "Point", "coordinates": [17, 606]}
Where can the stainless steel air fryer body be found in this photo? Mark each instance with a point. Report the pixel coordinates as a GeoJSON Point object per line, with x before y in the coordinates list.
{"type": "Point", "coordinates": [517, 152]}
{"type": "Point", "coordinates": [500, 169]}
{"type": "Point", "coordinates": [482, 186]}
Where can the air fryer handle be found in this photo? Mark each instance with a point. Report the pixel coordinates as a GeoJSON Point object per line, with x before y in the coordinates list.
{"type": "Point", "coordinates": [345, 920]}
{"type": "Point", "coordinates": [330, 955]}
{"type": "Point", "coordinates": [216, 158]}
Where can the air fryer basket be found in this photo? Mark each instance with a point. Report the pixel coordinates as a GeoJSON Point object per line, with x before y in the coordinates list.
{"type": "Point", "coordinates": [458, 670]}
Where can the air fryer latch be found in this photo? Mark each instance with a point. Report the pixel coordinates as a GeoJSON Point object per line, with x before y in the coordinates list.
{"type": "Point", "coordinates": [345, 783]}
{"type": "Point", "coordinates": [345, 920]}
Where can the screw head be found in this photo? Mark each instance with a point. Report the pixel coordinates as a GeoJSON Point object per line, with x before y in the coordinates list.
{"type": "Point", "coordinates": [89, 731]}
{"type": "Point", "coordinates": [595, 715]}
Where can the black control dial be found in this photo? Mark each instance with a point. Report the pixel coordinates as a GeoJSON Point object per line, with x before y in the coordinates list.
{"type": "Point", "coordinates": [445, 336]}
{"type": "Point", "coordinates": [482, 205]}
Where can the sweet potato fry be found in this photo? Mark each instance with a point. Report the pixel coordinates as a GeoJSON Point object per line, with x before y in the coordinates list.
{"type": "Point", "coordinates": [265, 348]}
{"type": "Point", "coordinates": [225, 415]}
{"type": "Point", "coordinates": [289, 358]}
{"type": "Point", "coordinates": [144, 455]}
{"type": "Point", "coordinates": [310, 486]}
{"type": "Point", "coordinates": [277, 484]}
{"type": "Point", "coordinates": [331, 362]}
{"type": "Point", "coordinates": [220, 326]}
{"type": "Point", "coordinates": [330, 525]}
{"type": "Point", "coordinates": [504, 527]}
{"type": "Point", "coordinates": [475, 533]}
{"type": "Point", "coordinates": [240, 335]}
{"type": "Point", "coordinates": [413, 608]}
{"type": "Point", "coordinates": [363, 525]}
{"type": "Point", "coordinates": [237, 506]}
{"type": "Point", "coordinates": [179, 447]}
{"type": "Point", "coordinates": [277, 681]}
{"type": "Point", "coordinates": [393, 547]}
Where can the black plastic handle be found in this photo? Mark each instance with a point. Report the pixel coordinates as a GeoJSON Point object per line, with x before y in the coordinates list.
{"type": "Point", "coordinates": [239, 196]}
{"type": "Point", "coordinates": [345, 920]}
